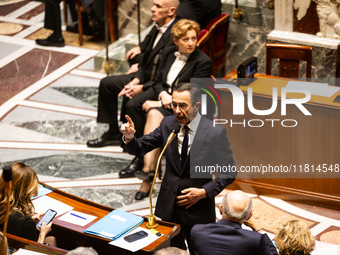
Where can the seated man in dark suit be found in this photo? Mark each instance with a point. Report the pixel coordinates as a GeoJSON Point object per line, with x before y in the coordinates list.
{"type": "Point", "coordinates": [183, 199]}
{"type": "Point", "coordinates": [133, 84]}
{"type": "Point", "coordinates": [226, 236]}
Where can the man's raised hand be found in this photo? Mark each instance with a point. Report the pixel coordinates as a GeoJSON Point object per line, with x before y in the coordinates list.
{"type": "Point", "coordinates": [128, 129]}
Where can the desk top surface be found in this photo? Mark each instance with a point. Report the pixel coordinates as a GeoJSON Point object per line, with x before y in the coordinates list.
{"type": "Point", "coordinates": [166, 228]}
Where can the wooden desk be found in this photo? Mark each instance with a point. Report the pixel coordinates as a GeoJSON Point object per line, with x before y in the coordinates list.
{"type": "Point", "coordinates": [314, 141]}
{"type": "Point", "coordinates": [70, 236]}
{"type": "Point", "coordinates": [18, 242]}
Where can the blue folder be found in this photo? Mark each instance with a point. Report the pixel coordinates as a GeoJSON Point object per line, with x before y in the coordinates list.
{"type": "Point", "coordinates": [115, 224]}
{"type": "Point", "coordinates": [42, 191]}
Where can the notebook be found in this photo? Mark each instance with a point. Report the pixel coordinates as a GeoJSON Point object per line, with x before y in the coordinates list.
{"type": "Point", "coordinates": [115, 224]}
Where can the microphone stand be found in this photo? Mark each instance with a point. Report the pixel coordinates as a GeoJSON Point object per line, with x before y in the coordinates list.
{"type": "Point", "coordinates": [152, 218]}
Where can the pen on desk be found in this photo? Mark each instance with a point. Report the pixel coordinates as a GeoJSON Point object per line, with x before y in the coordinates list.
{"type": "Point", "coordinates": [78, 216]}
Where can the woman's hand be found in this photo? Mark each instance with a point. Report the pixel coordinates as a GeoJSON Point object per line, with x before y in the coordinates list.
{"type": "Point", "coordinates": [37, 217]}
{"type": "Point", "coordinates": [44, 230]}
{"type": "Point", "coordinates": [166, 99]}
{"type": "Point", "coordinates": [148, 104]}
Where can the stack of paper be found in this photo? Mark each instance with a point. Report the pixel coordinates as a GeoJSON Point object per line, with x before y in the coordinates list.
{"type": "Point", "coordinates": [77, 218]}
{"type": "Point", "coordinates": [27, 252]}
{"type": "Point", "coordinates": [115, 224]}
{"type": "Point", "coordinates": [42, 204]}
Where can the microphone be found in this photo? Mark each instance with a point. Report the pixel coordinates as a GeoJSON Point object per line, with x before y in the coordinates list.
{"type": "Point", "coordinates": [7, 173]}
{"type": "Point", "coordinates": [152, 218]}
{"type": "Point", "coordinates": [7, 176]}
{"type": "Point", "coordinates": [175, 128]}
{"type": "Point", "coordinates": [174, 131]}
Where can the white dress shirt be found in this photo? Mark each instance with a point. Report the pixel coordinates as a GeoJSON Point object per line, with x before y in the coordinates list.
{"type": "Point", "coordinates": [161, 31]}
{"type": "Point", "coordinates": [176, 67]}
{"type": "Point", "coordinates": [193, 125]}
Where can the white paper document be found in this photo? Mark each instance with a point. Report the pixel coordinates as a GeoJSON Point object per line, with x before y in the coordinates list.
{"type": "Point", "coordinates": [27, 252]}
{"type": "Point", "coordinates": [42, 204]}
{"type": "Point", "coordinates": [315, 88]}
{"type": "Point", "coordinates": [136, 245]}
{"type": "Point", "coordinates": [77, 218]}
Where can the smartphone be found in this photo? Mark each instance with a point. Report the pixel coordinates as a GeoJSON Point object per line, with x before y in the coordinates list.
{"type": "Point", "coordinates": [47, 218]}
{"type": "Point", "coordinates": [136, 236]}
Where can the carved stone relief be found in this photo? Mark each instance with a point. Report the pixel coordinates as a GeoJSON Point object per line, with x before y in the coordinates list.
{"type": "Point", "coordinates": [328, 14]}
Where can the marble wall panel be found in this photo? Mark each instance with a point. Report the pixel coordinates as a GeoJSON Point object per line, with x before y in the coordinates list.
{"type": "Point", "coordinates": [248, 37]}
{"type": "Point", "coordinates": [127, 16]}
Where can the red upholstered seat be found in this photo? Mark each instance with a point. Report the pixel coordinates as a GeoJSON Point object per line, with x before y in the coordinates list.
{"type": "Point", "coordinates": [218, 29]}
{"type": "Point", "coordinates": [203, 42]}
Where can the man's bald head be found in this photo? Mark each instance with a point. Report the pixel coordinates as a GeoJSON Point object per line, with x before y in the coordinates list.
{"type": "Point", "coordinates": [236, 206]}
{"type": "Point", "coordinates": [163, 11]}
{"type": "Point", "coordinates": [173, 3]}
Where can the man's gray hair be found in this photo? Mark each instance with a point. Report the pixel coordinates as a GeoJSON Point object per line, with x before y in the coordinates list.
{"type": "Point", "coordinates": [228, 210]}
{"type": "Point", "coordinates": [195, 93]}
{"type": "Point", "coordinates": [171, 251]}
{"type": "Point", "coordinates": [82, 251]}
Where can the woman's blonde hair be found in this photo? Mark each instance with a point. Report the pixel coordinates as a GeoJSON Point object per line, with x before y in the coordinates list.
{"type": "Point", "coordinates": [183, 26]}
{"type": "Point", "coordinates": [24, 186]}
{"type": "Point", "coordinates": [295, 238]}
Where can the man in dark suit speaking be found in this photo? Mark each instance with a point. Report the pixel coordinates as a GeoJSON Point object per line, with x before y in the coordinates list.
{"type": "Point", "coordinates": [182, 199]}
{"type": "Point", "coordinates": [226, 236]}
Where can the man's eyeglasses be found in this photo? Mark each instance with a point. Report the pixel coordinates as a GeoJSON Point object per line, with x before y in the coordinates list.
{"type": "Point", "coordinates": [181, 106]}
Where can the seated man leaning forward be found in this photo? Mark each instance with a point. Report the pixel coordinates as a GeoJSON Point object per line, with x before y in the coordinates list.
{"type": "Point", "coordinates": [183, 199]}
{"type": "Point", "coordinates": [226, 236]}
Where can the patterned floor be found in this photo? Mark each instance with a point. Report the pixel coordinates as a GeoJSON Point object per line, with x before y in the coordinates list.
{"type": "Point", "coordinates": [48, 100]}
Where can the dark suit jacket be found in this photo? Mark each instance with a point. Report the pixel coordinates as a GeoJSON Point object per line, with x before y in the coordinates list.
{"type": "Point", "coordinates": [148, 53]}
{"type": "Point", "coordinates": [198, 65]}
{"type": "Point", "coordinates": [202, 11]}
{"type": "Point", "coordinates": [207, 139]}
{"type": "Point", "coordinates": [227, 237]}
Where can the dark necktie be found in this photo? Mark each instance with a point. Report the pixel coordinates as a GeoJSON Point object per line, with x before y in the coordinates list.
{"type": "Point", "coordinates": [184, 146]}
